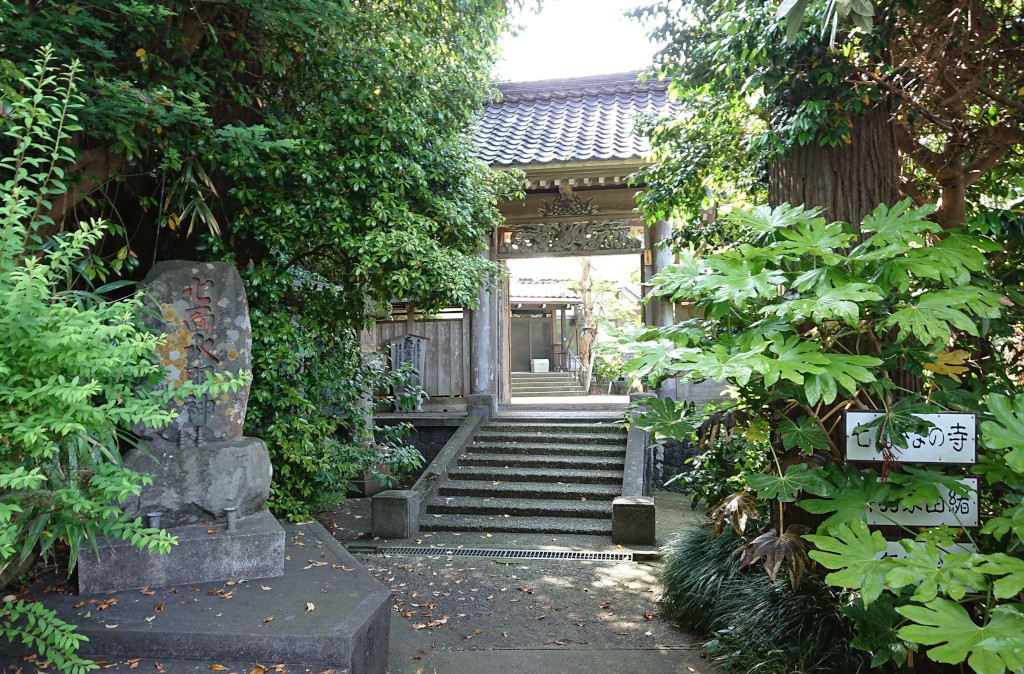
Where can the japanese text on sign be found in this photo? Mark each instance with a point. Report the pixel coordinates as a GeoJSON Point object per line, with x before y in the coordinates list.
{"type": "Point", "coordinates": [953, 509]}
{"type": "Point", "coordinates": [951, 439]}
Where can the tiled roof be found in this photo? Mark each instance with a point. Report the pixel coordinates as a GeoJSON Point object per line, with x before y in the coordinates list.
{"type": "Point", "coordinates": [577, 119]}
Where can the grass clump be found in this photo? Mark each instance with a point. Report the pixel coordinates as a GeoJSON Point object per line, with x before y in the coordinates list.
{"type": "Point", "coordinates": [752, 623]}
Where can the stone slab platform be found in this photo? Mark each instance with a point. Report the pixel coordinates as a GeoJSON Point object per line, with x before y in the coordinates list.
{"type": "Point", "coordinates": [326, 610]}
{"type": "Point", "coordinates": [254, 550]}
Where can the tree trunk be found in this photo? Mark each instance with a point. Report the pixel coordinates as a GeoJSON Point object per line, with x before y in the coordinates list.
{"type": "Point", "coordinates": [849, 180]}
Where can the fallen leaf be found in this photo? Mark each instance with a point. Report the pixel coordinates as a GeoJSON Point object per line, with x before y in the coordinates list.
{"type": "Point", "coordinates": [558, 643]}
{"type": "Point", "coordinates": [110, 627]}
{"type": "Point", "coordinates": [310, 606]}
{"type": "Point", "coordinates": [214, 531]}
{"type": "Point", "coordinates": [217, 668]}
{"type": "Point", "coordinates": [422, 651]}
{"type": "Point", "coordinates": [648, 616]}
{"type": "Point", "coordinates": [478, 631]}
{"type": "Point", "coordinates": [415, 657]}
{"type": "Point", "coordinates": [146, 592]}
{"type": "Point", "coordinates": [606, 605]}
{"type": "Point", "coordinates": [540, 617]}
{"type": "Point", "coordinates": [268, 619]}
{"type": "Point", "coordinates": [418, 626]}
{"type": "Point", "coordinates": [266, 587]}
{"type": "Point", "coordinates": [624, 634]}
{"type": "Point", "coordinates": [258, 670]}
{"type": "Point", "coordinates": [151, 618]}
{"type": "Point", "coordinates": [159, 607]}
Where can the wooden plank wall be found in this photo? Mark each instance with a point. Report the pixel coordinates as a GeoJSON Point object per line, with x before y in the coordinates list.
{"type": "Point", "coordinates": [447, 352]}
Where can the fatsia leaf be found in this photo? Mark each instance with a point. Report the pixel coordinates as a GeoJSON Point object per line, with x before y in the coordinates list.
{"type": "Point", "coordinates": [920, 486]}
{"type": "Point", "coordinates": [1011, 521]}
{"type": "Point", "coordinates": [814, 238]}
{"type": "Point", "coordinates": [666, 417]}
{"type": "Point", "coordinates": [949, 363]}
{"type": "Point", "coordinates": [928, 323]}
{"type": "Point", "coordinates": [764, 219]}
{"type": "Point", "coordinates": [846, 371]}
{"type": "Point", "coordinates": [852, 553]}
{"type": "Point", "coordinates": [679, 281]}
{"type": "Point", "coordinates": [841, 303]}
{"type": "Point", "coordinates": [857, 491]}
{"type": "Point", "coordinates": [1007, 432]}
{"type": "Point", "coordinates": [932, 571]}
{"type": "Point", "coordinates": [794, 358]}
{"type": "Point", "coordinates": [1010, 568]}
{"type": "Point", "coordinates": [789, 547]}
{"type": "Point", "coordinates": [798, 477]}
{"type": "Point", "coordinates": [899, 224]}
{"type": "Point", "coordinates": [875, 627]}
{"type": "Point", "coordinates": [736, 509]}
{"type": "Point", "coordinates": [947, 623]}
{"type": "Point", "coordinates": [803, 434]}
{"type": "Point", "coordinates": [737, 281]}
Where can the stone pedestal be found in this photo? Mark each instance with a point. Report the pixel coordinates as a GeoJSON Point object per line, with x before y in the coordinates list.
{"type": "Point", "coordinates": [255, 549]}
{"type": "Point", "coordinates": [202, 467]}
{"type": "Point", "coordinates": [196, 484]}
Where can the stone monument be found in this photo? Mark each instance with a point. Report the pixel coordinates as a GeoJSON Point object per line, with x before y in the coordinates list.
{"type": "Point", "coordinates": [209, 482]}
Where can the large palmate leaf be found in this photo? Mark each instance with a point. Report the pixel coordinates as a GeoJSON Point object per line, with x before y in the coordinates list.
{"type": "Point", "coordinates": [793, 359]}
{"type": "Point", "coordinates": [723, 364]}
{"type": "Point", "coordinates": [665, 417]}
{"type": "Point", "coordinates": [859, 490]}
{"type": "Point", "coordinates": [843, 371]}
{"type": "Point", "coordinates": [814, 238]}
{"type": "Point", "coordinates": [932, 571]}
{"type": "Point", "coordinates": [803, 434]}
{"type": "Point", "coordinates": [853, 553]}
{"type": "Point", "coordinates": [920, 486]}
{"type": "Point", "coordinates": [946, 622]}
{"type": "Point", "coordinates": [841, 303]}
{"type": "Point", "coordinates": [737, 281]}
{"type": "Point", "coordinates": [766, 220]}
{"type": "Point", "coordinates": [736, 509]}
{"type": "Point", "coordinates": [899, 224]}
{"type": "Point", "coordinates": [875, 627]}
{"type": "Point", "coordinates": [1010, 568]}
{"type": "Point", "coordinates": [798, 477]}
{"type": "Point", "coordinates": [1008, 433]}
{"type": "Point", "coordinates": [679, 281]}
{"type": "Point", "coordinates": [1011, 521]}
{"type": "Point", "coordinates": [789, 547]}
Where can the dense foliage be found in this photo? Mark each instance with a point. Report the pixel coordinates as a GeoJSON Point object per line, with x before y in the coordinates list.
{"type": "Point", "coordinates": [73, 369]}
{"type": "Point", "coordinates": [804, 322]}
{"type": "Point", "coordinates": [320, 145]}
{"type": "Point", "coordinates": [754, 86]}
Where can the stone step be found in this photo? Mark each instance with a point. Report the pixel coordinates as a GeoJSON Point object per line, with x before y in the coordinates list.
{"type": "Point", "coordinates": [554, 490]}
{"type": "Point", "coordinates": [545, 386]}
{"type": "Point", "coordinates": [513, 440]}
{"type": "Point", "coordinates": [471, 458]}
{"type": "Point", "coordinates": [564, 393]}
{"type": "Point", "coordinates": [519, 525]}
{"type": "Point", "coordinates": [518, 507]}
{"type": "Point", "coordinates": [516, 376]}
{"type": "Point", "coordinates": [571, 427]}
{"type": "Point", "coordinates": [569, 475]}
{"type": "Point", "coordinates": [589, 448]}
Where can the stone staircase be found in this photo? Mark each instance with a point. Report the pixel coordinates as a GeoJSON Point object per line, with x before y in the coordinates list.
{"type": "Point", "coordinates": [536, 475]}
{"type": "Point", "coordinates": [534, 384]}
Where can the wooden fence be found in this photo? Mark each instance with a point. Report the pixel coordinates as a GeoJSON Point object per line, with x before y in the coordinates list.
{"type": "Point", "coordinates": [447, 363]}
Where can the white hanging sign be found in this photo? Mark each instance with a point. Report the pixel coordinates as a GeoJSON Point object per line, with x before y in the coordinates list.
{"type": "Point", "coordinates": [951, 508]}
{"type": "Point", "coordinates": [952, 439]}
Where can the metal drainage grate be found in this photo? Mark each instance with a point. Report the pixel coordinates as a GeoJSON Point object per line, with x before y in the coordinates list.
{"type": "Point", "coordinates": [513, 554]}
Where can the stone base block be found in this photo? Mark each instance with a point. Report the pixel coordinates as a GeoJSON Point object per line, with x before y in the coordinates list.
{"type": "Point", "coordinates": [484, 401]}
{"type": "Point", "coordinates": [395, 514]}
{"type": "Point", "coordinates": [196, 484]}
{"type": "Point", "coordinates": [633, 520]}
{"type": "Point", "coordinates": [254, 550]}
{"type": "Point", "coordinates": [335, 615]}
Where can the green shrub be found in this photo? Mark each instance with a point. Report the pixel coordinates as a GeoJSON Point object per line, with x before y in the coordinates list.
{"type": "Point", "coordinates": [73, 369]}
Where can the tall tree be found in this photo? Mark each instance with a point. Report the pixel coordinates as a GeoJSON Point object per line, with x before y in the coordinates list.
{"type": "Point", "coordinates": [936, 80]}
{"type": "Point", "coordinates": [321, 145]}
